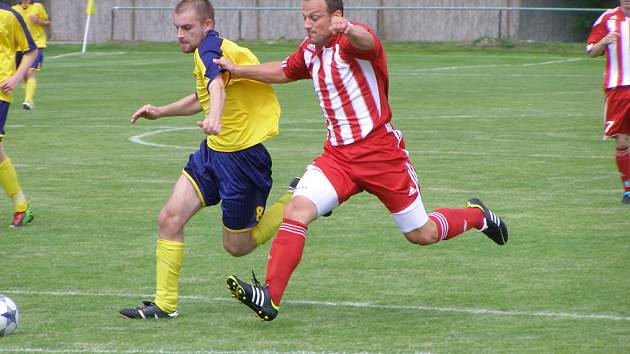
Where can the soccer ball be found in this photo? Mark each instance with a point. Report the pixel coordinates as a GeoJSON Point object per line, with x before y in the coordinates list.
{"type": "Point", "coordinates": [8, 316]}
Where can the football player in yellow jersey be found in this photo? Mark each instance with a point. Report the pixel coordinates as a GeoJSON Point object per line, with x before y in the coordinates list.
{"type": "Point", "coordinates": [231, 166]}
{"type": "Point", "coordinates": [14, 38]}
{"type": "Point", "coordinates": [36, 19]}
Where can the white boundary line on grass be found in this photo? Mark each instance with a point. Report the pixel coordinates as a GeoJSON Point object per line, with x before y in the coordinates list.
{"type": "Point", "coordinates": [87, 54]}
{"type": "Point", "coordinates": [464, 310]}
{"type": "Point", "coordinates": [122, 351]}
{"type": "Point", "coordinates": [139, 139]}
{"type": "Point", "coordinates": [481, 66]}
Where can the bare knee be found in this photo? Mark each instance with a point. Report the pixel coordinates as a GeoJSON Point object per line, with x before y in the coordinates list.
{"type": "Point", "coordinates": [425, 235]}
{"type": "Point", "coordinates": [238, 244]}
{"type": "Point", "coordinates": [169, 221]}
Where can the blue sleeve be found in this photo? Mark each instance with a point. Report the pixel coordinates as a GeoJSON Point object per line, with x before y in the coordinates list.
{"type": "Point", "coordinates": [210, 49]}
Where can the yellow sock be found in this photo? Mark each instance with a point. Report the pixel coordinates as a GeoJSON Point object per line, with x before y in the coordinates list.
{"type": "Point", "coordinates": [11, 185]}
{"type": "Point", "coordinates": [29, 87]}
{"type": "Point", "coordinates": [271, 220]}
{"type": "Point", "coordinates": [169, 259]}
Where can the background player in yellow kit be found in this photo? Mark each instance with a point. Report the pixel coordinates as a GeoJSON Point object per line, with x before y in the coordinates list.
{"type": "Point", "coordinates": [14, 38]}
{"type": "Point", "coordinates": [36, 19]}
{"type": "Point", "coordinates": [231, 166]}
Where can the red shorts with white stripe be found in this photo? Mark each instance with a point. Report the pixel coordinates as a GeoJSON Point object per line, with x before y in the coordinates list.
{"type": "Point", "coordinates": [378, 164]}
{"type": "Point", "coordinates": [617, 111]}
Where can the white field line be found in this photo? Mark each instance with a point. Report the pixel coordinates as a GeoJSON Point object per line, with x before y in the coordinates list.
{"type": "Point", "coordinates": [554, 62]}
{"type": "Point", "coordinates": [115, 351]}
{"type": "Point", "coordinates": [87, 54]}
{"type": "Point", "coordinates": [138, 139]}
{"type": "Point", "coordinates": [461, 310]}
{"type": "Point", "coordinates": [482, 66]}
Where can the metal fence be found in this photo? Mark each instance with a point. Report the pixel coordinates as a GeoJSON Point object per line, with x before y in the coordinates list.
{"type": "Point", "coordinates": [488, 21]}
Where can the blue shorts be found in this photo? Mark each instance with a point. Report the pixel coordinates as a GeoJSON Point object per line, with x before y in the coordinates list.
{"type": "Point", "coordinates": [241, 180]}
{"type": "Point", "coordinates": [4, 111]}
{"type": "Point", "coordinates": [37, 63]}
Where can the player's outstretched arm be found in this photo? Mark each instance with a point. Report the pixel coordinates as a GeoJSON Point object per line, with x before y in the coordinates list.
{"type": "Point", "coordinates": [184, 107]}
{"type": "Point", "coordinates": [270, 72]}
{"type": "Point", "coordinates": [8, 85]}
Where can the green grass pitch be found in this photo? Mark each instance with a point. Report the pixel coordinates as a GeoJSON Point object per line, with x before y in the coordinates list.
{"type": "Point", "coordinates": [519, 128]}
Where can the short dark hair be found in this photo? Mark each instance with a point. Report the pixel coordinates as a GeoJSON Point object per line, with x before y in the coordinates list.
{"type": "Point", "coordinates": [334, 5]}
{"type": "Point", "coordinates": [203, 8]}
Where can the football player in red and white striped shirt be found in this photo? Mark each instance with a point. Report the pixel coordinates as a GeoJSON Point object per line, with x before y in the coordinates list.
{"type": "Point", "coordinates": [363, 151]}
{"type": "Point", "coordinates": [611, 36]}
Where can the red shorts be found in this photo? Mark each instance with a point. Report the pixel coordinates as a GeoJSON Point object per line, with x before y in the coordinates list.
{"type": "Point", "coordinates": [617, 111]}
{"type": "Point", "coordinates": [379, 164]}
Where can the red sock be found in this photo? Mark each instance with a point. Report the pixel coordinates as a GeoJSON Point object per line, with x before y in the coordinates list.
{"type": "Point", "coordinates": [284, 257]}
{"type": "Point", "coordinates": [454, 222]}
{"type": "Point", "coordinates": [623, 164]}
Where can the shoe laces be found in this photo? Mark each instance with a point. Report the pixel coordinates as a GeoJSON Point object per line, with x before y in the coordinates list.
{"type": "Point", "coordinates": [255, 280]}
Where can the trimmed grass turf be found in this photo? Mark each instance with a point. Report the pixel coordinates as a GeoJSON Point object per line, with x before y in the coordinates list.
{"type": "Point", "coordinates": [509, 126]}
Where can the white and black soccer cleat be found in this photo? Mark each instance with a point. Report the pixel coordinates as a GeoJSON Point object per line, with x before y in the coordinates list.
{"type": "Point", "coordinates": [149, 311]}
{"type": "Point", "coordinates": [494, 227]}
{"type": "Point", "coordinates": [255, 296]}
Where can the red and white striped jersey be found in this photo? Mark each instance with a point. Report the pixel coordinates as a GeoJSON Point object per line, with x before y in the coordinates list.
{"type": "Point", "coordinates": [617, 54]}
{"type": "Point", "coordinates": [352, 85]}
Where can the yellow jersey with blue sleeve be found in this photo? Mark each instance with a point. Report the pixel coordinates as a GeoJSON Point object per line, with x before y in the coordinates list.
{"type": "Point", "coordinates": [35, 9]}
{"type": "Point", "coordinates": [251, 112]}
{"type": "Point", "coordinates": [14, 38]}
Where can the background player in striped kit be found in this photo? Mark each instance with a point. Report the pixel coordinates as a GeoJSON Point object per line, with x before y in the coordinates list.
{"type": "Point", "coordinates": [363, 151]}
{"type": "Point", "coordinates": [611, 36]}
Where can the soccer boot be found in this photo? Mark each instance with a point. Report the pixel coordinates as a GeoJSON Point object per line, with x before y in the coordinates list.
{"type": "Point", "coordinates": [21, 218]}
{"type": "Point", "coordinates": [149, 311]}
{"type": "Point", "coordinates": [256, 297]}
{"type": "Point", "coordinates": [293, 185]}
{"type": "Point", "coordinates": [626, 199]}
{"type": "Point", "coordinates": [28, 105]}
{"type": "Point", "coordinates": [493, 226]}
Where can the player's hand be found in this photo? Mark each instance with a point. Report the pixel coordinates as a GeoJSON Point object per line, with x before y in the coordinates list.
{"type": "Point", "coordinates": [225, 63]}
{"type": "Point", "coordinates": [610, 38]}
{"type": "Point", "coordinates": [147, 111]}
{"type": "Point", "coordinates": [8, 85]}
{"type": "Point", "coordinates": [210, 126]}
{"type": "Point", "coordinates": [339, 24]}
{"type": "Point", "coordinates": [34, 20]}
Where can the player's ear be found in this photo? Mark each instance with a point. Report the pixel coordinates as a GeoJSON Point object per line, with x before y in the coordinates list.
{"type": "Point", "coordinates": [209, 25]}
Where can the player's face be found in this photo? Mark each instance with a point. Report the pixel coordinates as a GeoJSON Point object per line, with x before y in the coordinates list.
{"type": "Point", "coordinates": [190, 30]}
{"type": "Point", "coordinates": [316, 21]}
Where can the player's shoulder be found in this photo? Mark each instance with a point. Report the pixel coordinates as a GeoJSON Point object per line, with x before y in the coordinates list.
{"type": "Point", "coordinates": [211, 42]}
{"type": "Point", "coordinates": [611, 14]}
{"type": "Point", "coordinates": [9, 11]}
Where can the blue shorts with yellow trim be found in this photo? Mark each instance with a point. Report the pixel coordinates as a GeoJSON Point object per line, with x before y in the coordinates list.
{"type": "Point", "coordinates": [240, 180]}
{"type": "Point", "coordinates": [37, 63]}
{"type": "Point", "coordinates": [39, 60]}
{"type": "Point", "coordinates": [4, 112]}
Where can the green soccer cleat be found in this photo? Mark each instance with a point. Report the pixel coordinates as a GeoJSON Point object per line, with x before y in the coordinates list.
{"type": "Point", "coordinates": [21, 218]}
{"type": "Point", "coordinates": [147, 312]}
{"type": "Point", "coordinates": [256, 297]}
{"type": "Point", "coordinates": [493, 226]}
